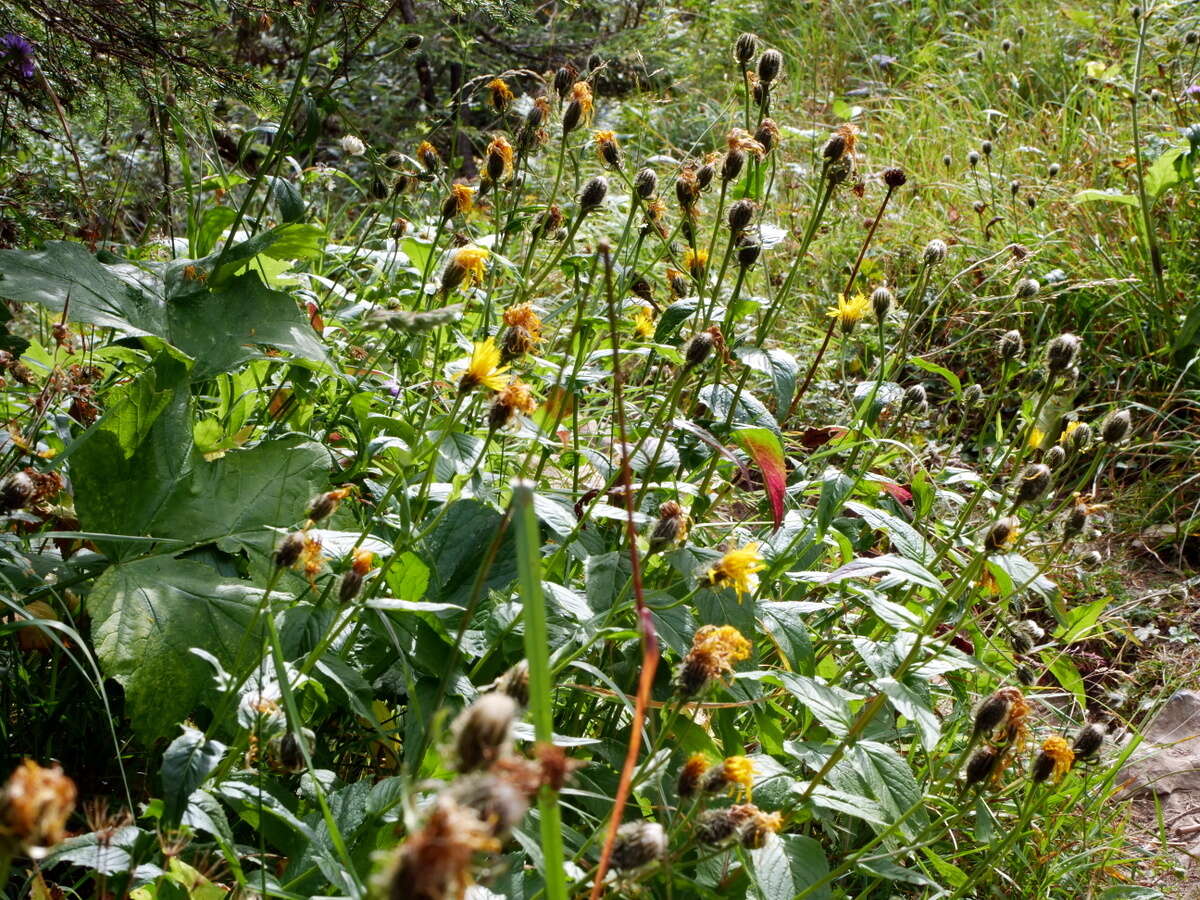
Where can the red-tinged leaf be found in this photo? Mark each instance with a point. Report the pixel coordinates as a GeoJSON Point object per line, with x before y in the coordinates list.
{"type": "Point", "coordinates": [767, 452]}
{"type": "Point", "coordinates": [898, 493]}
{"type": "Point", "coordinates": [813, 438]}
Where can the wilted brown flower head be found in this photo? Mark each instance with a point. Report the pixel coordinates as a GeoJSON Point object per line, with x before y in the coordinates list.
{"type": "Point", "coordinates": [482, 731]}
{"type": "Point", "coordinates": [35, 804]}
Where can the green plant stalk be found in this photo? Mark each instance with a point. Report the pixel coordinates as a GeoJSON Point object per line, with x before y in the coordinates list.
{"type": "Point", "coordinates": [1156, 265]}
{"type": "Point", "coordinates": [541, 690]}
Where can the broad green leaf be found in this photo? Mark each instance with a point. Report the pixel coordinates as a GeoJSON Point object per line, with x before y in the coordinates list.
{"type": "Point", "coordinates": [213, 224]}
{"type": "Point", "coordinates": [787, 865]}
{"type": "Point", "coordinates": [456, 548]}
{"type": "Point", "coordinates": [187, 762]}
{"type": "Point", "coordinates": [893, 569]}
{"type": "Point", "coordinates": [913, 707]}
{"type": "Point", "coordinates": [288, 202]}
{"type": "Point", "coordinates": [902, 536]}
{"type": "Point", "coordinates": [146, 617]}
{"type": "Point", "coordinates": [673, 317]}
{"type": "Point", "coordinates": [778, 365]}
{"type": "Point", "coordinates": [749, 410]}
{"type": "Point", "coordinates": [1093, 195]}
{"type": "Point", "coordinates": [1171, 167]}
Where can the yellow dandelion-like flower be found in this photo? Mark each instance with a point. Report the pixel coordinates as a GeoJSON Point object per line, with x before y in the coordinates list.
{"type": "Point", "coordinates": [428, 155]}
{"type": "Point", "coordinates": [1055, 760]}
{"type": "Point", "coordinates": [607, 148]}
{"type": "Point", "coordinates": [849, 311]}
{"type": "Point", "coordinates": [362, 560]}
{"type": "Point", "coordinates": [737, 569]}
{"type": "Point", "coordinates": [474, 260]}
{"type": "Point", "coordinates": [483, 368]}
{"type": "Point", "coordinates": [523, 315]}
{"type": "Point", "coordinates": [499, 159]}
{"type": "Point", "coordinates": [643, 323]}
{"type": "Point", "coordinates": [695, 261]}
{"type": "Point", "coordinates": [1036, 438]}
{"type": "Point", "coordinates": [502, 94]}
{"type": "Point", "coordinates": [460, 202]}
{"type": "Point", "coordinates": [725, 644]}
{"type": "Point", "coordinates": [582, 94]}
{"type": "Point", "coordinates": [739, 774]}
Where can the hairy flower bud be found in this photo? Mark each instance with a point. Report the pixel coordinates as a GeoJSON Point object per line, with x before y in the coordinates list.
{"type": "Point", "coordinates": [645, 183]}
{"type": "Point", "coordinates": [894, 177]}
{"type": "Point", "coordinates": [732, 165]}
{"type": "Point", "coordinates": [593, 194]}
{"type": "Point", "coordinates": [1061, 353]}
{"type": "Point", "coordinates": [16, 491]}
{"type": "Point", "coordinates": [915, 400]}
{"type": "Point", "coordinates": [698, 349]}
{"type": "Point", "coordinates": [744, 48]}
{"type": "Point", "coordinates": [638, 844]}
{"type": "Point", "coordinates": [1055, 456]}
{"type": "Point", "coordinates": [881, 302]}
{"type": "Point", "coordinates": [1027, 287]}
{"type": "Point", "coordinates": [981, 765]}
{"type": "Point", "coordinates": [483, 729]}
{"type": "Point", "coordinates": [705, 175]}
{"type": "Point", "coordinates": [290, 549]}
{"type": "Point", "coordinates": [1089, 740]}
{"type": "Point", "coordinates": [1002, 535]}
{"type": "Point", "coordinates": [1116, 427]}
{"type": "Point", "coordinates": [934, 253]}
{"type": "Point", "coordinates": [973, 396]}
{"type": "Point", "coordinates": [769, 66]}
{"type": "Point", "coordinates": [835, 147]}
{"type": "Point", "coordinates": [1011, 345]}
{"type": "Point", "coordinates": [1033, 482]}
{"type": "Point", "coordinates": [748, 252]}
{"type": "Point", "coordinates": [741, 214]}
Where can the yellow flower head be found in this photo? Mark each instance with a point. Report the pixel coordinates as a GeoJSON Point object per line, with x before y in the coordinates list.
{"type": "Point", "coordinates": [695, 261]}
{"type": "Point", "coordinates": [516, 396]}
{"type": "Point", "coordinates": [607, 148]}
{"type": "Point", "coordinates": [643, 323]}
{"type": "Point", "coordinates": [501, 151]}
{"type": "Point", "coordinates": [483, 368]}
{"type": "Point", "coordinates": [428, 155]}
{"type": "Point", "coordinates": [739, 774]}
{"type": "Point", "coordinates": [522, 315]}
{"type": "Point", "coordinates": [502, 94]}
{"type": "Point", "coordinates": [362, 560]}
{"type": "Point", "coordinates": [725, 644]}
{"type": "Point", "coordinates": [473, 259]}
{"type": "Point", "coordinates": [1057, 751]}
{"type": "Point", "coordinates": [740, 139]}
{"type": "Point", "coordinates": [1036, 438]}
{"type": "Point", "coordinates": [691, 773]}
{"type": "Point", "coordinates": [312, 559]}
{"type": "Point", "coordinates": [849, 312]}
{"type": "Point", "coordinates": [582, 94]}
{"type": "Point", "coordinates": [737, 569]}
{"type": "Point", "coordinates": [464, 198]}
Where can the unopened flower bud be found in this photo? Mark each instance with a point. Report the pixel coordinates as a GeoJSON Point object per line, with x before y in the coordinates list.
{"type": "Point", "coordinates": [1033, 482]}
{"type": "Point", "coordinates": [915, 399]}
{"type": "Point", "coordinates": [741, 214]}
{"type": "Point", "coordinates": [593, 194]}
{"type": "Point", "coordinates": [1061, 353]}
{"type": "Point", "coordinates": [290, 549]}
{"type": "Point", "coordinates": [1116, 427]}
{"type": "Point", "coordinates": [744, 48]}
{"type": "Point", "coordinates": [563, 79]}
{"type": "Point", "coordinates": [894, 177]}
{"type": "Point", "coordinates": [981, 764]}
{"type": "Point", "coordinates": [881, 302]}
{"type": "Point", "coordinates": [515, 683]}
{"type": "Point", "coordinates": [973, 159]}
{"type": "Point", "coordinates": [16, 491]}
{"type": "Point", "coordinates": [732, 165]}
{"type": "Point", "coordinates": [645, 183]}
{"type": "Point", "coordinates": [705, 175]}
{"type": "Point", "coordinates": [1011, 345]}
{"type": "Point", "coordinates": [1080, 437]}
{"type": "Point", "coordinates": [698, 349]}
{"type": "Point", "coordinates": [935, 252]}
{"type": "Point", "coordinates": [483, 730]}
{"type": "Point", "coordinates": [992, 712]}
{"type": "Point", "coordinates": [1089, 740]}
{"type": "Point", "coordinates": [835, 147]}
{"type": "Point", "coordinates": [1002, 535]}
{"type": "Point", "coordinates": [412, 42]}
{"type": "Point", "coordinates": [986, 147]}
{"type": "Point", "coordinates": [748, 252]}
{"type": "Point", "coordinates": [1027, 287]}
{"type": "Point", "coordinates": [638, 844]}
{"type": "Point", "coordinates": [1055, 456]}
{"type": "Point", "coordinates": [769, 66]}
{"type": "Point", "coordinates": [973, 396]}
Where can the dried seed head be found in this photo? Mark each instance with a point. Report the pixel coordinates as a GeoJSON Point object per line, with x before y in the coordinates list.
{"type": "Point", "coordinates": [1116, 427]}
{"type": "Point", "coordinates": [881, 302]}
{"type": "Point", "coordinates": [290, 549]}
{"type": "Point", "coordinates": [645, 183]}
{"type": "Point", "coordinates": [689, 776]}
{"type": "Point", "coordinates": [705, 175]}
{"type": "Point", "coordinates": [732, 165]}
{"type": "Point", "coordinates": [767, 134]}
{"type": "Point", "coordinates": [744, 48]}
{"type": "Point", "coordinates": [986, 147]}
{"type": "Point", "coordinates": [1027, 287]}
{"type": "Point", "coordinates": [482, 730]}
{"type": "Point", "coordinates": [741, 214]}
{"type": "Point", "coordinates": [698, 349]}
{"type": "Point", "coordinates": [350, 585]}
{"type": "Point", "coordinates": [935, 252]}
{"type": "Point", "coordinates": [1091, 560]}
{"type": "Point", "coordinates": [515, 683]}
{"type": "Point", "coordinates": [973, 396]}
{"type": "Point", "coordinates": [35, 804]}
{"type": "Point", "coordinates": [981, 765]}
{"type": "Point", "coordinates": [947, 160]}
{"type": "Point", "coordinates": [1033, 482]}
{"type": "Point", "coordinates": [717, 826]}
{"type": "Point", "coordinates": [992, 712]}
{"type": "Point", "coordinates": [638, 844]}
{"type": "Point", "coordinates": [894, 177]}
{"type": "Point", "coordinates": [748, 251]}
{"type": "Point", "coordinates": [498, 802]}
{"type": "Point", "coordinates": [1055, 456]}
{"type": "Point", "coordinates": [835, 147]}
{"type": "Point", "coordinates": [1089, 740]}
{"type": "Point", "coordinates": [563, 79]}
{"type": "Point", "coordinates": [1025, 635]}
{"type": "Point", "coordinates": [593, 194]}
{"type": "Point", "coordinates": [1061, 353]}
{"type": "Point", "coordinates": [769, 66]}
{"type": "Point", "coordinates": [671, 529]}
{"type": "Point", "coordinates": [1012, 345]}
{"type": "Point", "coordinates": [17, 491]}
{"type": "Point", "coordinates": [1054, 169]}
{"type": "Point", "coordinates": [1002, 535]}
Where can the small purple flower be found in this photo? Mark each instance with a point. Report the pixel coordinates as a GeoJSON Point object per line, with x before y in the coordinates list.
{"type": "Point", "coordinates": [1192, 91]}
{"type": "Point", "coordinates": [392, 387]}
{"type": "Point", "coordinates": [20, 51]}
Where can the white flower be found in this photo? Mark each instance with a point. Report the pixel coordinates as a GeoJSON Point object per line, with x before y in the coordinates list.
{"type": "Point", "coordinates": [353, 146]}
